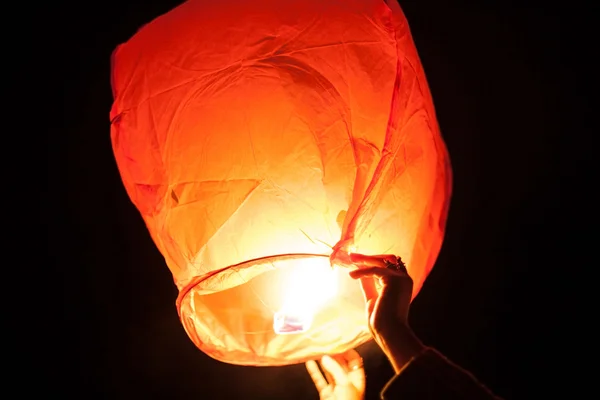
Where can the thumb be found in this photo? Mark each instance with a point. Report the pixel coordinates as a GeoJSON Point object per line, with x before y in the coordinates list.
{"type": "Point", "coordinates": [370, 292]}
{"type": "Point", "coordinates": [335, 369]}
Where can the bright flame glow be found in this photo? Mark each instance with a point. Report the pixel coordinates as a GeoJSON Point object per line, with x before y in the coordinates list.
{"type": "Point", "coordinates": [308, 287]}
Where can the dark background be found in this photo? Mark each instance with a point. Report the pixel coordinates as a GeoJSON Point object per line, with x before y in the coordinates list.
{"type": "Point", "coordinates": [511, 96]}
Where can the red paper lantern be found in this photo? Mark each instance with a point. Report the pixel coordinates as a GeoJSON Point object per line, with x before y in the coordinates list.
{"type": "Point", "coordinates": [260, 140]}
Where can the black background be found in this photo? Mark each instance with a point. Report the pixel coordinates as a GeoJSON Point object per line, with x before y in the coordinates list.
{"type": "Point", "coordinates": [511, 97]}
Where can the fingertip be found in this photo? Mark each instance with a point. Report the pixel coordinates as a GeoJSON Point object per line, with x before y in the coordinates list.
{"type": "Point", "coordinates": [362, 259]}
{"type": "Point", "coordinates": [364, 272]}
{"type": "Point", "coordinates": [351, 355]}
{"type": "Point", "coordinates": [355, 274]}
{"type": "Point", "coordinates": [328, 363]}
{"type": "Point", "coordinates": [389, 257]}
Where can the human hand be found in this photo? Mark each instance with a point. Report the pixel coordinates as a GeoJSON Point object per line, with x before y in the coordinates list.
{"type": "Point", "coordinates": [344, 376]}
{"type": "Point", "coordinates": [387, 311]}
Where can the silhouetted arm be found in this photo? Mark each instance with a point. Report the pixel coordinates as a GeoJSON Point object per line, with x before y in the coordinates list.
{"type": "Point", "coordinates": [430, 375]}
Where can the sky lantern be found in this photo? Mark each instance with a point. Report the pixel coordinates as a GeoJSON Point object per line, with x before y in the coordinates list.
{"type": "Point", "coordinates": [262, 141]}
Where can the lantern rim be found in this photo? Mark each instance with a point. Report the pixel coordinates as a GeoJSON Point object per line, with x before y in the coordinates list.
{"type": "Point", "coordinates": [244, 264]}
{"type": "Point", "coordinates": [352, 327]}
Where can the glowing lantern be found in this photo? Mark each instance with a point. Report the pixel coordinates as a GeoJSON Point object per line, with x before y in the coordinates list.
{"type": "Point", "coordinates": [261, 141]}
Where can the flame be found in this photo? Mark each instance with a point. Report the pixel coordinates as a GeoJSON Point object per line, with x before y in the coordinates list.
{"type": "Point", "coordinates": [310, 285]}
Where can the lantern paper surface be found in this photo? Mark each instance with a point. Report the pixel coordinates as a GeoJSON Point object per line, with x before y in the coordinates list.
{"type": "Point", "coordinates": [263, 140]}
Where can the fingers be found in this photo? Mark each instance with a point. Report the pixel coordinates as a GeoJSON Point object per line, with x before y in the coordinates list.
{"type": "Point", "coordinates": [372, 261]}
{"type": "Point", "coordinates": [366, 273]}
{"type": "Point", "coordinates": [356, 371]}
{"type": "Point", "coordinates": [335, 369]}
{"type": "Point", "coordinates": [376, 272]}
{"type": "Point", "coordinates": [316, 376]}
{"type": "Point", "coordinates": [394, 284]}
{"type": "Point", "coordinates": [351, 356]}
{"type": "Point", "coordinates": [348, 359]}
{"type": "Point", "coordinates": [352, 360]}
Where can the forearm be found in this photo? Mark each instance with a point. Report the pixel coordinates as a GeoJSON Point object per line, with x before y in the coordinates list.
{"type": "Point", "coordinates": [431, 376]}
{"type": "Point", "coordinates": [401, 347]}
{"type": "Point", "coordinates": [423, 373]}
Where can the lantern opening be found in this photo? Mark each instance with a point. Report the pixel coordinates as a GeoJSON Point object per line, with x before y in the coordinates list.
{"type": "Point", "coordinates": [275, 311]}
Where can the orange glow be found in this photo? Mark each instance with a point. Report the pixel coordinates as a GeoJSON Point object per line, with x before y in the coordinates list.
{"type": "Point", "coordinates": [261, 141]}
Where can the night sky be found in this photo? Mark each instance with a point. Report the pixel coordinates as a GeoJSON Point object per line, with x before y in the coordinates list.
{"type": "Point", "coordinates": [509, 89]}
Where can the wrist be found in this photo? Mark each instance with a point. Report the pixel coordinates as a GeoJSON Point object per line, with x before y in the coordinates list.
{"type": "Point", "coordinates": [401, 346]}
